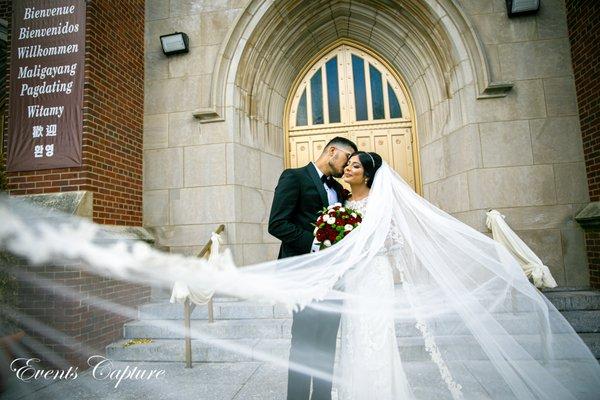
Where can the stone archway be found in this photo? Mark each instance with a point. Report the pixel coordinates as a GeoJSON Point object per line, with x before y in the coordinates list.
{"type": "Point", "coordinates": [431, 44]}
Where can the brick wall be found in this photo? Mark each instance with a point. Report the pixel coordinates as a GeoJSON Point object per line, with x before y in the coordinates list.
{"type": "Point", "coordinates": [112, 119]}
{"type": "Point", "coordinates": [112, 170]}
{"type": "Point", "coordinates": [59, 298]}
{"type": "Point", "coordinates": [593, 249]}
{"type": "Point", "coordinates": [583, 19]}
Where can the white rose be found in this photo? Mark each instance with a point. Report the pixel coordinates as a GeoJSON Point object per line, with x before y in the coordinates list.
{"type": "Point", "coordinates": [331, 220]}
{"type": "Point", "coordinates": [337, 204]}
{"type": "Point", "coordinates": [327, 243]}
{"type": "Point", "coordinates": [354, 215]}
{"type": "Point", "coordinates": [348, 228]}
{"type": "Point", "coordinates": [342, 209]}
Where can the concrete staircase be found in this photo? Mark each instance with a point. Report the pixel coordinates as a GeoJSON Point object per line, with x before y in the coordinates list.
{"type": "Point", "coordinates": [245, 331]}
{"type": "Point", "coordinates": [581, 307]}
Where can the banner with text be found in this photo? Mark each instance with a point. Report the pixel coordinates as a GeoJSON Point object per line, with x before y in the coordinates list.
{"type": "Point", "coordinates": [46, 84]}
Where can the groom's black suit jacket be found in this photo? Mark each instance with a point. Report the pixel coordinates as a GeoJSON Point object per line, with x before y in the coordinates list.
{"type": "Point", "coordinates": [299, 197]}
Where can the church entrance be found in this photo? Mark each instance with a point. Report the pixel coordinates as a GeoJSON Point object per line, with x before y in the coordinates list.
{"type": "Point", "coordinates": [350, 92]}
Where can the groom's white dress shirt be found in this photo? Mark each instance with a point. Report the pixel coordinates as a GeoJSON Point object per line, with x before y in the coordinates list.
{"type": "Point", "coordinates": [331, 194]}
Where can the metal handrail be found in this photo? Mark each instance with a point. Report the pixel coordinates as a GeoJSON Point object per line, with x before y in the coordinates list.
{"type": "Point", "coordinates": [188, 306]}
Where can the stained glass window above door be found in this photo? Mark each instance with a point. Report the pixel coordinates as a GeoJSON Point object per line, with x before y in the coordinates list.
{"type": "Point", "coordinates": [347, 86]}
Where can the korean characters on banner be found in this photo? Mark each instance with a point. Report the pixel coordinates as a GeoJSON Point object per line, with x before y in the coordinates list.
{"type": "Point", "coordinates": [46, 84]}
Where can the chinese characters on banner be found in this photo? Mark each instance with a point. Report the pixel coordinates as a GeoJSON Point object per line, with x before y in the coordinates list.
{"type": "Point", "coordinates": [46, 84]}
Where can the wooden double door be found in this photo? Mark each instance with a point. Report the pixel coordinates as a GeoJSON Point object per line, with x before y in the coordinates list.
{"type": "Point", "coordinates": [349, 92]}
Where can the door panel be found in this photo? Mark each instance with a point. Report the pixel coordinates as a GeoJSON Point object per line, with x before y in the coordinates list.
{"type": "Point", "coordinates": [393, 145]}
{"type": "Point", "coordinates": [304, 149]}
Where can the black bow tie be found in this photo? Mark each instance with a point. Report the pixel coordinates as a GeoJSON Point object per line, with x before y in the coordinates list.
{"type": "Point", "coordinates": [328, 180]}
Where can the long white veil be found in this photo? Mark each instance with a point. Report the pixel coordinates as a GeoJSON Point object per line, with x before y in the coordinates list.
{"type": "Point", "coordinates": [464, 301]}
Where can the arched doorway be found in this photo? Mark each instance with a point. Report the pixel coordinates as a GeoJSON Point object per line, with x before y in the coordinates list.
{"type": "Point", "coordinates": [348, 91]}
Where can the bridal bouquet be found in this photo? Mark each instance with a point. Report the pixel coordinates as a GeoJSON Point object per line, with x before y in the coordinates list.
{"type": "Point", "coordinates": [334, 223]}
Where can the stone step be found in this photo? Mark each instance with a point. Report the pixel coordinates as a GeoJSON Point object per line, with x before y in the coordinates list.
{"type": "Point", "coordinates": [229, 317]}
{"type": "Point", "coordinates": [216, 350]}
{"type": "Point", "coordinates": [222, 329]}
{"type": "Point", "coordinates": [583, 321]}
{"type": "Point", "coordinates": [242, 350]}
{"type": "Point", "coordinates": [567, 301]}
{"type": "Point", "coordinates": [274, 328]}
{"type": "Point", "coordinates": [573, 300]}
{"type": "Point", "coordinates": [521, 323]}
{"type": "Point", "coordinates": [223, 309]}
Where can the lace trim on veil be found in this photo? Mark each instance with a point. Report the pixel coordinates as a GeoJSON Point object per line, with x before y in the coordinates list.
{"type": "Point", "coordinates": [431, 347]}
{"type": "Point", "coordinates": [394, 241]}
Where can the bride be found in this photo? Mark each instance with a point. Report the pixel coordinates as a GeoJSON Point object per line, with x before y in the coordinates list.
{"type": "Point", "coordinates": [369, 356]}
{"type": "Point", "coordinates": [485, 329]}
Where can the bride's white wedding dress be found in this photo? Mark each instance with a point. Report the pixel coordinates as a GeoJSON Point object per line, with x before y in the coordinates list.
{"type": "Point", "coordinates": [369, 358]}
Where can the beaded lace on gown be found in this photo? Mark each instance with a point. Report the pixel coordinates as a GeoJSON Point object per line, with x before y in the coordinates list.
{"type": "Point", "coordinates": [369, 359]}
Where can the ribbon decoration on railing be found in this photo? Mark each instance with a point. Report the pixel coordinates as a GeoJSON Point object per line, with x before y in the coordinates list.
{"type": "Point", "coordinates": [197, 295]}
{"type": "Point", "coordinates": [532, 265]}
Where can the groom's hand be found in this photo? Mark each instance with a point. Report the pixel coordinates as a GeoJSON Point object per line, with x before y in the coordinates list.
{"type": "Point", "coordinates": [316, 246]}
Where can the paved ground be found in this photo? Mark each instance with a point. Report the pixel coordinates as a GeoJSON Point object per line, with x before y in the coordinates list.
{"type": "Point", "coordinates": [238, 381]}
{"type": "Point", "coordinates": [216, 381]}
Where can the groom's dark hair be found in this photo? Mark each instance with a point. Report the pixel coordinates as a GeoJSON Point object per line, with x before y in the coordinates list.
{"type": "Point", "coordinates": [341, 142]}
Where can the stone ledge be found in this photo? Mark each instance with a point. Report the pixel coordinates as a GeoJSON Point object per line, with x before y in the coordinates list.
{"type": "Point", "coordinates": [209, 114]}
{"type": "Point", "coordinates": [79, 203]}
{"type": "Point", "coordinates": [589, 217]}
{"type": "Point", "coordinates": [495, 90]}
{"type": "Point", "coordinates": [129, 233]}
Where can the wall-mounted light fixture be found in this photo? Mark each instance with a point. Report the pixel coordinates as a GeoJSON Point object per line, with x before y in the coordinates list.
{"type": "Point", "coordinates": [517, 8]}
{"type": "Point", "coordinates": [175, 43]}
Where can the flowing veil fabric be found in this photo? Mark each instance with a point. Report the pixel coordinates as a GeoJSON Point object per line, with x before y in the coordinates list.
{"type": "Point", "coordinates": [486, 331]}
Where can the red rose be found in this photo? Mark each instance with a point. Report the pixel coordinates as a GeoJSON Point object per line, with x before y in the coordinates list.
{"type": "Point", "coordinates": [321, 236]}
{"type": "Point", "coordinates": [339, 222]}
{"type": "Point", "coordinates": [332, 236]}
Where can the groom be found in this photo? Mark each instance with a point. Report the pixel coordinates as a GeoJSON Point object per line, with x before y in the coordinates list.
{"type": "Point", "coordinates": [300, 195]}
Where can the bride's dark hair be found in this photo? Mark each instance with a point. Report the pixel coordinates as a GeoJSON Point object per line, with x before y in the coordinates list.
{"type": "Point", "coordinates": [370, 162]}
